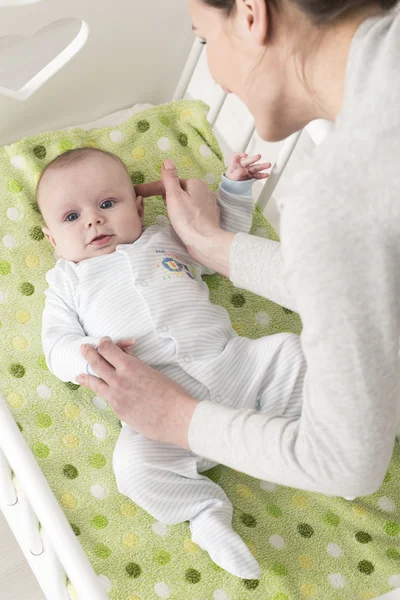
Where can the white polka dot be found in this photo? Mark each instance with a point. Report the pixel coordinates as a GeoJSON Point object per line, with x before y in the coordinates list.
{"type": "Point", "coordinates": [99, 431]}
{"type": "Point", "coordinates": [205, 151]}
{"type": "Point", "coordinates": [394, 581]}
{"type": "Point", "coordinates": [98, 491]}
{"type": "Point", "coordinates": [337, 580]}
{"type": "Point", "coordinates": [210, 178]}
{"type": "Point", "coordinates": [262, 318]}
{"type": "Point", "coordinates": [162, 221]}
{"type": "Point", "coordinates": [164, 144]}
{"type": "Point", "coordinates": [160, 529]}
{"type": "Point", "coordinates": [350, 498]}
{"type": "Point", "coordinates": [220, 595]}
{"type": "Point", "coordinates": [261, 232]}
{"type": "Point", "coordinates": [162, 590]}
{"type": "Point", "coordinates": [43, 391]}
{"type": "Point", "coordinates": [277, 541]}
{"type": "Point", "coordinates": [268, 486]}
{"type": "Point", "coordinates": [9, 241]}
{"type": "Point", "coordinates": [116, 136]}
{"type": "Point", "coordinates": [13, 214]}
{"type": "Point", "coordinates": [386, 504]}
{"type": "Point", "coordinates": [99, 403]}
{"type": "Point", "coordinates": [334, 550]}
{"type": "Point", "coordinates": [18, 162]}
{"type": "Point", "coordinates": [105, 582]}
{"type": "Point", "coordinates": [2, 297]}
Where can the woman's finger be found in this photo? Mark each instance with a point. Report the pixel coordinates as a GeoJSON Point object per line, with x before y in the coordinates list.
{"type": "Point", "coordinates": [97, 362]}
{"type": "Point", "coordinates": [170, 178]}
{"type": "Point", "coordinates": [126, 343]}
{"type": "Point", "coordinates": [155, 188]}
{"type": "Point", "coordinates": [112, 354]}
{"type": "Point", "coordinates": [94, 383]}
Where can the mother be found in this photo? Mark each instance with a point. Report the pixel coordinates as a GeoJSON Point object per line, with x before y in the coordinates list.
{"type": "Point", "coordinates": [292, 61]}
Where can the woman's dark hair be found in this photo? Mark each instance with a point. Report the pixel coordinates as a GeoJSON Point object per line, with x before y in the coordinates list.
{"type": "Point", "coordinates": [319, 11]}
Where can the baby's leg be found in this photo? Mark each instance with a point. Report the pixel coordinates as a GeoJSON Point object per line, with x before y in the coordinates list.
{"type": "Point", "coordinates": [164, 480]}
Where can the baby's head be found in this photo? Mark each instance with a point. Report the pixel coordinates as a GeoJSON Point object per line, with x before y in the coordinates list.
{"type": "Point", "coordinates": [88, 204]}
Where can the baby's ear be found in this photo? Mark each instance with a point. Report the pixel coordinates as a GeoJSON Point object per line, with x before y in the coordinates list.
{"type": "Point", "coordinates": [140, 207]}
{"type": "Point", "coordinates": [49, 237]}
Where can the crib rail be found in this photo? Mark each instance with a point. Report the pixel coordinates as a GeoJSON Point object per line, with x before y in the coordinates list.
{"type": "Point", "coordinates": [38, 522]}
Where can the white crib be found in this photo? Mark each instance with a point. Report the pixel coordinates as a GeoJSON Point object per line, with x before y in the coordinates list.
{"type": "Point", "coordinates": [26, 500]}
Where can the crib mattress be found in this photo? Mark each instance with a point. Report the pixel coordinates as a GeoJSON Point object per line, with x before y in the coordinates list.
{"type": "Point", "coordinates": [308, 545]}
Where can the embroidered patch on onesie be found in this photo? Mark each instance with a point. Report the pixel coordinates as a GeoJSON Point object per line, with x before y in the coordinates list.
{"type": "Point", "coordinates": [172, 267]}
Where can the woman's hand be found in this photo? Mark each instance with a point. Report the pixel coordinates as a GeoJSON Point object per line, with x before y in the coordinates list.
{"type": "Point", "coordinates": [143, 398]}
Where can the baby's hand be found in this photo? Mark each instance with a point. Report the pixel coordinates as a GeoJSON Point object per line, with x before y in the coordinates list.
{"type": "Point", "coordinates": [244, 167]}
{"type": "Point", "coordinates": [127, 346]}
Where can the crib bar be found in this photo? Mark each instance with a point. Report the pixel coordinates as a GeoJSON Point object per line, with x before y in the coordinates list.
{"type": "Point", "coordinates": [188, 70]}
{"type": "Point", "coordinates": [47, 509]}
{"type": "Point", "coordinates": [217, 107]}
{"type": "Point", "coordinates": [249, 136]}
{"type": "Point", "coordinates": [7, 488]}
{"type": "Point", "coordinates": [277, 170]}
{"type": "Point", "coordinates": [31, 525]}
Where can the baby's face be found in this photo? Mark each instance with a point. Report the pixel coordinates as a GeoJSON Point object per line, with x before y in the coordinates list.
{"type": "Point", "coordinates": [89, 208]}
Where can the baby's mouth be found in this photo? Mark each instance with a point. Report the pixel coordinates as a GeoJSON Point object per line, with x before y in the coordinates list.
{"type": "Point", "coordinates": [101, 240]}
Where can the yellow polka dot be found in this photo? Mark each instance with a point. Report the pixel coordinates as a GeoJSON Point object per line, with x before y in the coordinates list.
{"type": "Point", "coordinates": [190, 546]}
{"type": "Point", "coordinates": [367, 595]}
{"type": "Point", "coordinates": [133, 598]}
{"type": "Point", "coordinates": [15, 400]}
{"type": "Point", "coordinates": [186, 114]}
{"type": "Point", "coordinates": [32, 261]}
{"type": "Point", "coordinates": [308, 590]}
{"type": "Point", "coordinates": [360, 511]}
{"type": "Point", "coordinates": [19, 342]}
{"type": "Point", "coordinates": [69, 501]}
{"type": "Point", "coordinates": [127, 510]}
{"type": "Point", "coordinates": [300, 500]}
{"type": "Point", "coordinates": [71, 592]}
{"type": "Point", "coordinates": [92, 144]}
{"type": "Point", "coordinates": [305, 561]}
{"type": "Point", "coordinates": [130, 540]}
{"type": "Point", "coordinates": [244, 491]}
{"type": "Point", "coordinates": [36, 177]}
{"type": "Point", "coordinates": [239, 328]}
{"type": "Point", "coordinates": [138, 153]}
{"type": "Point", "coordinates": [70, 441]}
{"type": "Point", "coordinates": [22, 316]}
{"type": "Point", "coordinates": [71, 411]}
{"type": "Point", "coordinates": [187, 161]}
{"type": "Point", "coordinates": [252, 548]}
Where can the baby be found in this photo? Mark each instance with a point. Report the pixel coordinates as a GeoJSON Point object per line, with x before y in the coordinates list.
{"type": "Point", "coordinates": [115, 278]}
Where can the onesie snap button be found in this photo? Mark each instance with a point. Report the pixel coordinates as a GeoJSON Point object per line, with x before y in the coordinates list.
{"type": "Point", "coordinates": [143, 283]}
{"type": "Point", "coordinates": [164, 328]}
{"type": "Point", "coordinates": [187, 359]}
{"type": "Point", "coordinates": [217, 398]}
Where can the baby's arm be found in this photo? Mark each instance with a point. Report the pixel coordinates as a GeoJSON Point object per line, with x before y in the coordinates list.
{"type": "Point", "coordinates": [62, 333]}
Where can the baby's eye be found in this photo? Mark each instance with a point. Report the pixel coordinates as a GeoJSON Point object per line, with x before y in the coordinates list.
{"type": "Point", "coordinates": [107, 204]}
{"type": "Point", "coordinates": [72, 217]}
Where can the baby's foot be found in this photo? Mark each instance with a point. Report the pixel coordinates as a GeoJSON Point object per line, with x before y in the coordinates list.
{"type": "Point", "coordinates": [225, 547]}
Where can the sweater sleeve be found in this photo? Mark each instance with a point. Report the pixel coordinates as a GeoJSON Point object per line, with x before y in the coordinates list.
{"type": "Point", "coordinates": [62, 333]}
{"type": "Point", "coordinates": [344, 280]}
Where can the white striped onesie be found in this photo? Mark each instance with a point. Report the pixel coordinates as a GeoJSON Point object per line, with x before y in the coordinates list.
{"type": "Point", "coordinates": [152, 290]}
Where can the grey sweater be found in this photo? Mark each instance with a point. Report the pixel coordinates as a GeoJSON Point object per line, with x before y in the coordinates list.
{"type": "Point", "coordinates": [338, 265]}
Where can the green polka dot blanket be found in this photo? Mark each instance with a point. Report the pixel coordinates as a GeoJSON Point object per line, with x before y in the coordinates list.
{"type": "Point", "coordinates": [309, 546]}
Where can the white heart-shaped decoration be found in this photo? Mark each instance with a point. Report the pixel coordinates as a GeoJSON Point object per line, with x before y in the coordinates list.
{"type": "Point", "coordinates": [27, 63]}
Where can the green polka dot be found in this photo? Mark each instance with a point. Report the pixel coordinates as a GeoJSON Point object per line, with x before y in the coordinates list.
{"type": "Point", "coordinates": [5, 267]}
{"type": "Point", "coordinates": [192, 576]}
{"type": "Point", "coordinates": [99, 522]}
{"type": "Point", "coordinates": [133, 570]}
{"type": "Point", "coordinates": [36, 233]}
{"type": "Point", "coordinates": [41, 361]}
{"type": "Point", "coordinates": [72, 386]}
{"type": "Point", "coordinates": [70, 471]}
{"type": "Point", "coordinates": [287, 311]}
{"type": "Point", "coordinates": [392, 528]}
{"type": "Point", "coordinates": [279, 569]}
{"type": "Point", "coordinates": [142, 126]}
{"type": "Point", "coordinates": [332, 519]}
{"type": "Point", "coordinates": [97, 461]}
{"type": "Point", "coordinates": [363, 537]}
{"type": "Point", "coordinates": [251, 584]}
{"type": "Point", "coordinates": [17, 370]}
{"type": "Point", "coordinates": [183, 139]}
{"type": "Point", "coordinates": [43, 420]}
{"type": "Point", "coordinates": [280, 596]}
{"type": "Point", "coordinates": [364, 566]}
{"type": "Point", "coordinates": [35, 207]}
{"type": "Point", "coordinates": [238, 300]}
{"type": "Point", "coordinates": [387, 477]}
{"type": "Point", "coordinates": [20, 427]}
{"type": "Point", "coordinates": [248, 520]}
{"type": "Point", "coordinates": [39, 152]}
{"type": "Point", "coordinates": [213, 281]}
{"type": "Point", "coordinates": [14, 186]}
{"type": "Point", "coordinates": [393, 553]}
{"type": "Point", "coordinates": [138, 178]}
{"type": "Point", "coordinates": [75, 529]}
{"type": "Point", "coordinates": [102, 551]}
{"type": "Point", "coordinates": [65, 145]}
{"type": "Point", "coordinates": [274, 510]}
{"type": "Point", "coordinates": [41, 450]}
{"type": "Point", "coordinates": [162, 557]}
{"type": "Point", "coordinates": [26, 289]}
{"type": "Point", "coordinates": [305, 530]}
{"type": "Point", "coordinates": [164, 120]}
